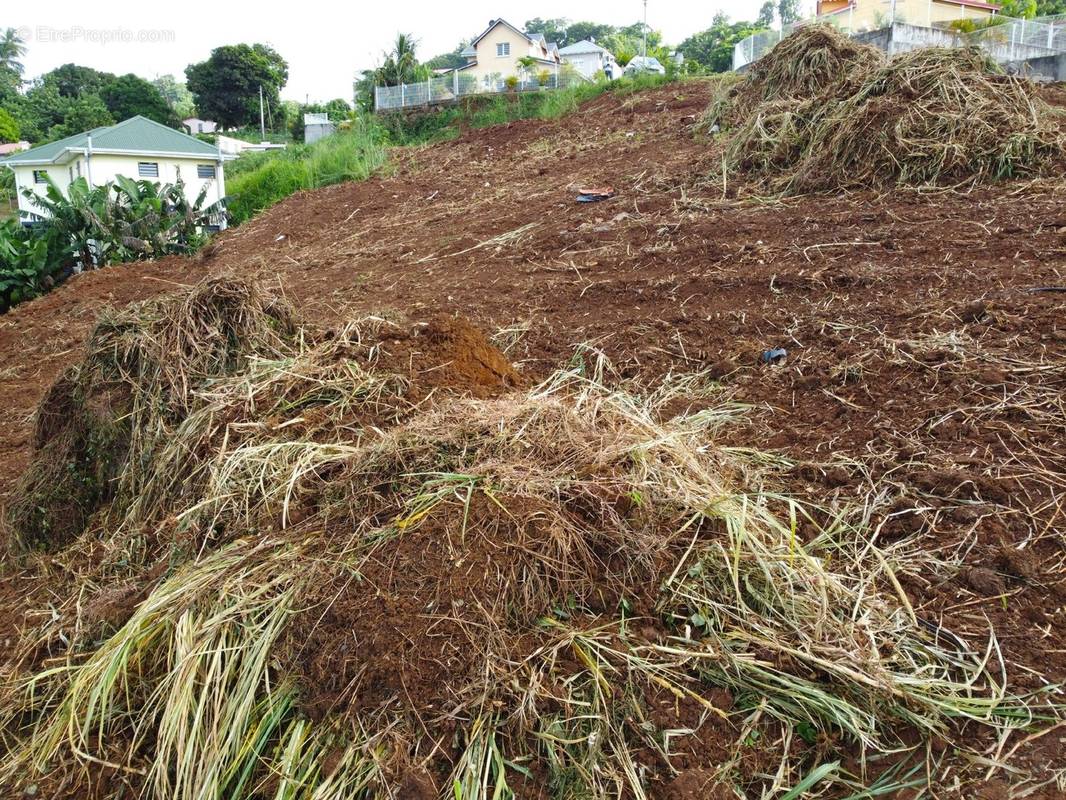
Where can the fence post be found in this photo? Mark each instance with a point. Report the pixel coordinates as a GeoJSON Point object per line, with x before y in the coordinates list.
{"type": "Point", "coordinates": [377, 98]}
{"type": "Point", "coordinates": [401, 96]}
{"type": "Point", "coordinates": [455, 84]}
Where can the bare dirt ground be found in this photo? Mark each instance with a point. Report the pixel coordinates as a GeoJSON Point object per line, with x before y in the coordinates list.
{"type": "Point", "coordinates": [923, 364]}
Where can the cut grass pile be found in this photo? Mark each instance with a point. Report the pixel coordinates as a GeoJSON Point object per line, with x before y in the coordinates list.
{"type": "Point", "coordinates": [820, 112]}
{"type": "Point", "coordinates": [328, 570]}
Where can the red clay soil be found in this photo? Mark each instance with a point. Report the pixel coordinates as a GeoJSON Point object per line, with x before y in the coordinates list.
{"type": "Point", "coordinates": [921, 356]}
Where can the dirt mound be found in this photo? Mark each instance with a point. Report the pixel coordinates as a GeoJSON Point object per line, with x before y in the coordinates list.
{"type": "Point", "coordinates": [450, 352]}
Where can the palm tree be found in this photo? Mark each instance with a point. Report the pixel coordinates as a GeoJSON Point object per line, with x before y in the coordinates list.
{"type": "Point", "coordinates": [12, 48]}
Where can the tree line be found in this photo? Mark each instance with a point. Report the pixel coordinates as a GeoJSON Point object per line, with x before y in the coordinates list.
{"type": "Point", "coordinates": [224, 88]}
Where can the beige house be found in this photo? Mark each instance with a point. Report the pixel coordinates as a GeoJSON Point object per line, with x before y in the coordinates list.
{"type": "Point", "coordinates": [494, 54]}
{"type": "Point", "coordinates": [857, 15]}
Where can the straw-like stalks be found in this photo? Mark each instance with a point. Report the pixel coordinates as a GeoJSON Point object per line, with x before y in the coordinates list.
{"type": "Point", "coordinates": [821, 112]}
{"type": "Point", "coordinates": [817, 61]}
{"type": "Point", "coordinates": [532, 541]}
{"type": "Point", "coordinates": [930, 117]}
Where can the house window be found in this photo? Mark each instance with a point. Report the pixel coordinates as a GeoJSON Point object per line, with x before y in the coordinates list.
{"type": "Point", "coordinates": [503, 49]}
{"type": "Point", "coordinates": [40, 176]}
{"type": "Point", "coordinates": [148, 169]}
{"type": "Point", "coordinates": [205, 171]}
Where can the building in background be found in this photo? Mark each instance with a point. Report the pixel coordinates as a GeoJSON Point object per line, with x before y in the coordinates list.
{"type": "Point", "coordinates": [196, 125]}
{"type": "Point", "coordinates": [588, 58]}
{"type": "Point", "coordinates": [137, 148]}
{"type": "Point", "coordinates": [858, 15]}
{"type": "Point", "coordinates": [495, 54]}
{"type": "Point", "coordinates": [316, 126]}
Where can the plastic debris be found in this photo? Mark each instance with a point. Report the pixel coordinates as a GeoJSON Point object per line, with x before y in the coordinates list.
{"type": "Point", "coordinates": [775, 356]}
{"type": "Point", "coordinates": [595, 195]}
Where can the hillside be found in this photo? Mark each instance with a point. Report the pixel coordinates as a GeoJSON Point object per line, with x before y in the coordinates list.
{"type": "Point", "coordinates": [925, 370]}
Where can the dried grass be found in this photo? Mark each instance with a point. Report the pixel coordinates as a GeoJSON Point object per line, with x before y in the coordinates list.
{"type": "Point", "coordinates": [820, 112]}
{"type": "Point", "coordinates": [548, 514]}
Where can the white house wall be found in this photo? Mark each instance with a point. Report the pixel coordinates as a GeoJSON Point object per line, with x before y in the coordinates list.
{"type": "Point", "coordinates": [107, 167]}
{"type": "Point", "coordinates": [588, 64]}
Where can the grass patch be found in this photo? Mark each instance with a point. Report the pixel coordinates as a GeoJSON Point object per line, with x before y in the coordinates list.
{"type": "Point", "coordinates": [266, 178]}
{"type": "Point", "coordinates": [256, 181]}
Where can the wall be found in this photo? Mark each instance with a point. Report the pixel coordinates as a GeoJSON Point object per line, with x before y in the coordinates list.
{"type": "Point", "coordinates": [587, 64]}
{"type": "Point", "coordinates": [1051, 68]}
{"type": "Point", "coordinates": [873, 14]}
{"type": "Point", "coordinates": [312, 133]}
{"type": "Point", "coordinates": [104, 168]}
{"type": "Point", "coordinates": [901, 38]}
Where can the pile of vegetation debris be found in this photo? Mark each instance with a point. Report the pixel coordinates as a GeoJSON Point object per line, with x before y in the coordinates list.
{"type": "Point", "coordinates": [374, 562]}
{"type": "Point", "coordinates": [822, 112]}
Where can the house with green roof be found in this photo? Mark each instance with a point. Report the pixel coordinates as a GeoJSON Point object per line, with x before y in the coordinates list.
{"type": "Point", "coordinates": [137, 148]}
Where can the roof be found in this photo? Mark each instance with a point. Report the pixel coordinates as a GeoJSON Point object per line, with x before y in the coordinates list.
{"type": "Point", "coordinates": [136, 136]}
{"type": "Point", "coordinates": [584, 46]}
{"type": "Point", "coordinates": [502, 21]}
{"type": "Point", "coordinates": [469, 50]}
{"type": "Point", "coordinates": [972, 4]}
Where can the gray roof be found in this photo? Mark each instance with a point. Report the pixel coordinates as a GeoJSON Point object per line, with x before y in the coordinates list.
{"type": "Point", "coordinates": [584, 46]}
{"type": "Point", "coordinates": [469, 50]}
{"type": "Point", "coordinates": [136, 135]}
{"type": "Point", "coordinates": [536, 37]}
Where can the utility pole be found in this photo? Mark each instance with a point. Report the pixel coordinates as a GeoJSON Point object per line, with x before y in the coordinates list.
{"type": "Point", "coordinates": [644, 46]}
{"type": "Point", "coordinates": [262, 124]}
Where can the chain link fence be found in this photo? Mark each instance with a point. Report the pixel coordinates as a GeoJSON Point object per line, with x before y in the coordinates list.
{"type": "Point", "coordinates": [1008, 40]}
{"type": "Point", "coordinates": [449, 88]}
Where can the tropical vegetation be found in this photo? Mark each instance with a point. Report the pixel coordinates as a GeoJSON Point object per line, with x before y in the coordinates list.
{"type": "Point", "coordinates": [91, 227]}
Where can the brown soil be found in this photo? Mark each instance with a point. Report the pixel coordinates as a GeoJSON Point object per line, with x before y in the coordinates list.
{"type": "Point", "coordinates": [919, 358]}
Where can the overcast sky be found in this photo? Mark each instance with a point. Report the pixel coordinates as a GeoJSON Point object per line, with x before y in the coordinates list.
{"type": "Point", "coordinates": [325, 43]}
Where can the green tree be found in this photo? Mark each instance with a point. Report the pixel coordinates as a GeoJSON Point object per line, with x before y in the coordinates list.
{"type": "Point", "coordinates": [12, 49]}
{"type": "Point", "coordinates": [593, 31]}
{"type": "Point", "coordinates": [82, 114]}
{"type": "Point", "coordinates": [766, 14]}
{"type": "Point", "coordinates": [177, 94]}
{"type": "Point", "coordinates": [9, 128]}
{"type": "Point", "coordinates": [554, 30]}
{"type": "Point", "coordinates": [1048, 7]}
{"type": "Point", "coordinates": [712, 49]}
{"type": "Point", "coordinates": [788, 11]}
{"type": "Point", "coordinates": [225, 87]}
{"type": "Point", "coordinates": [450, 60]}
{"type": "Point", "coordinates": [128, 96]}
{"type": "Point", "coordinates": [627, 42]}
{"type": "Point", "coordinates": [400, 64]}
{"type": "Point", "coordinates": [39, 110]}
{"type": "Point", "coordinates": [73, 80]}
{"type": "Point", "coordinates": [1021, 9]}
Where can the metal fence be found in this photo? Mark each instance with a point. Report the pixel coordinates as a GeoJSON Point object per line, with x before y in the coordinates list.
{"type": "Point", "coordinates": [1022, 38]}
{"type": "Point", "coordinates": [1009, 40]}
{"type": "Point", "coordinates": [449, 88]}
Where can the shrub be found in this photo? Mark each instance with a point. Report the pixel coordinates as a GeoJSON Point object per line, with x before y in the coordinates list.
{"type": "Point", "coordinates": [511, 82]}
